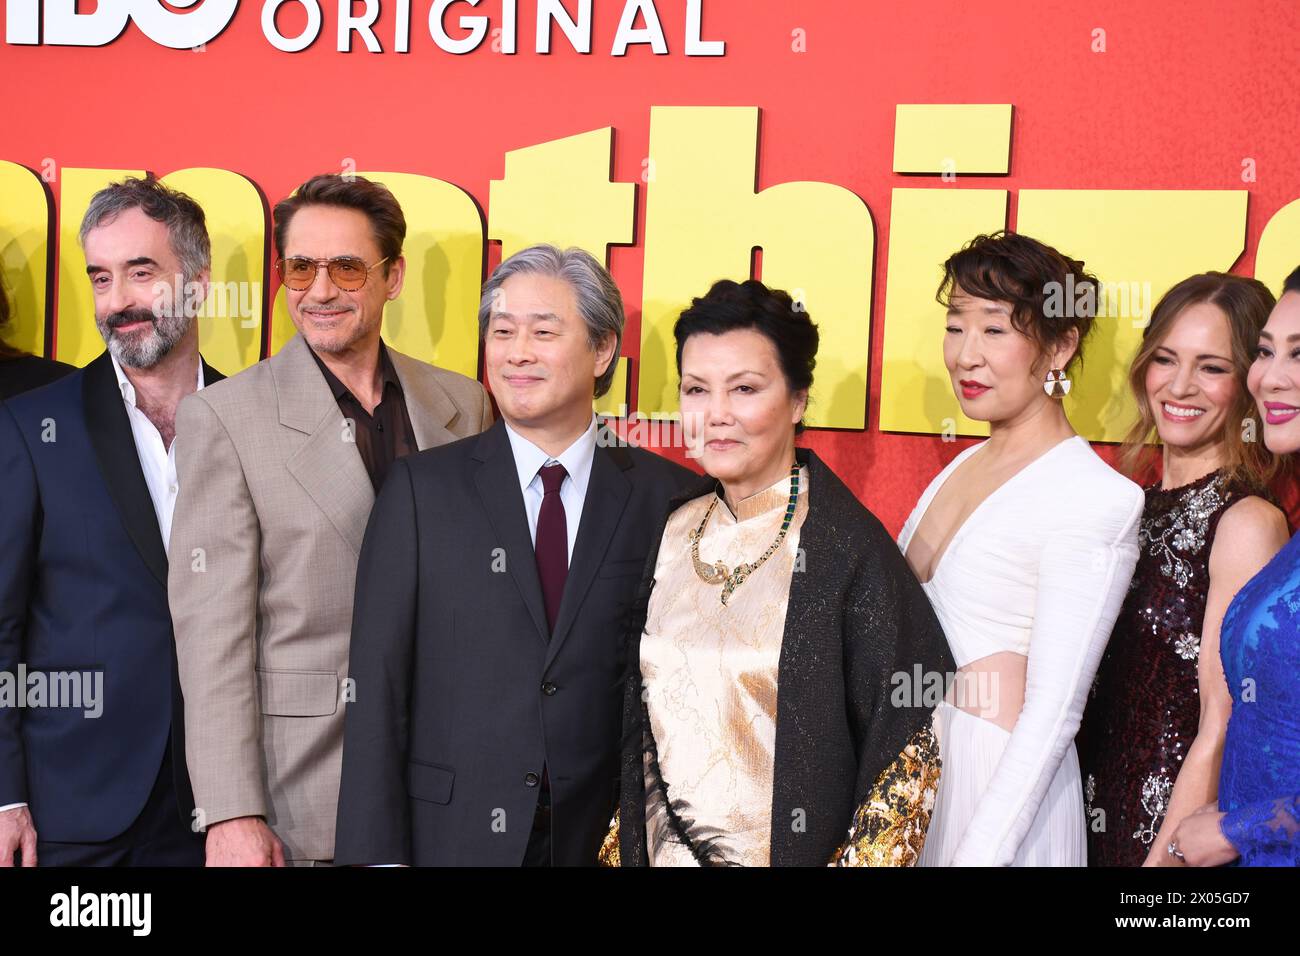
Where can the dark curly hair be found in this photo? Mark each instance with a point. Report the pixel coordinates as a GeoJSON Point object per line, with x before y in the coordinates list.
{"type": "Point", "coordinates": [1009, 267]}
{"type": "Point", "coordinates": [772, 313]}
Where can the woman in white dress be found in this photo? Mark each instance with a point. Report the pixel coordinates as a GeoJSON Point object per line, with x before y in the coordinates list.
{"type": "Point", "coordinates": [1025, 544]}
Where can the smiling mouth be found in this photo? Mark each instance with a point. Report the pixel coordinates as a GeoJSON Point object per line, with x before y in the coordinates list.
{"type": "Point", "coordinates": [1181, 411]}
{"type": "Point", "coordinates": [1278, 414]}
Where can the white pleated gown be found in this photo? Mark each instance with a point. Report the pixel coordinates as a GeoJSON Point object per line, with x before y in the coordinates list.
{"type": "Point", "coordinates": [1039, 568]}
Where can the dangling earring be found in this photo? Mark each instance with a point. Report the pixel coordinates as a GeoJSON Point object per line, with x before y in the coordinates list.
{"type": "Point", "coordinates": [1056, 384]}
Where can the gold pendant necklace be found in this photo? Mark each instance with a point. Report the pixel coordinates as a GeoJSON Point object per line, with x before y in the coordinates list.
{"type": "Point", "coordinates": [718, 573]}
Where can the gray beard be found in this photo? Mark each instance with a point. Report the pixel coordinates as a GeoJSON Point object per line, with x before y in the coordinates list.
{"type": "Point", "coordinates": [146, 351]}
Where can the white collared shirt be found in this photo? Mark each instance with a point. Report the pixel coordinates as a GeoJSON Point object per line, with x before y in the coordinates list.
{"type": "Point", "coordinates": [576, 459]}
{"type": "Point", "coordinates": [157, 463]}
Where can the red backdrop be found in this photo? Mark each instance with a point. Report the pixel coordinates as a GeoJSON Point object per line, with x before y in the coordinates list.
{"type": "Point", "coordinates": [1184, 91]}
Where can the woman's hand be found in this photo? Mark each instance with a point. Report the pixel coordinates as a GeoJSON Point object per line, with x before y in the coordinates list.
{"type": "Point", "coordinates": [1200, 839]}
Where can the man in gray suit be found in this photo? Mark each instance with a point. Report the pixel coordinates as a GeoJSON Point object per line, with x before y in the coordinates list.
{"type": "Point", "coordinates": [279, 468]}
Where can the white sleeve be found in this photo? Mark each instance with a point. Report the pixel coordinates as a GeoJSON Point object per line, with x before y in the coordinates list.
{"type": "Point", "coordinates": [1083, 576]}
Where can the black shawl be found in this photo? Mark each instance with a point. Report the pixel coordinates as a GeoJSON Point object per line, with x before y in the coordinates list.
{"type": "Point", "coordinates": [857, 617]}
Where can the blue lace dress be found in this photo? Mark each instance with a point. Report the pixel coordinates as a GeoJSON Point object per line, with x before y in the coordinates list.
{"type": "Point", "coordinates": [1259, 785]}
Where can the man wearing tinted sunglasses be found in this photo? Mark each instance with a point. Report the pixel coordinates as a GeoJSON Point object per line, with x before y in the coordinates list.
{"type": "Point", "coordinates": [278, 475]}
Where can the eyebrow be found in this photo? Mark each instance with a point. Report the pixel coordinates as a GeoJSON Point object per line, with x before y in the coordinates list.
{"type": "Point", "coordinates": [91, 269]}
{"type": "Point", "coordinates": [730, 378]}
{"type": "Point", "coordinates": [1289, 339]}
{"type": "Point", "coordinates": [542, 316]}
{"type": "Point", "coordinates": [987, 310]}
{"type": "Point", "coordinates": [1203, 355]}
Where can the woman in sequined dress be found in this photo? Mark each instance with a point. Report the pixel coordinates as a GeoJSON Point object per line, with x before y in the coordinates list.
{"type": "Point", "coordinates": [1152, 732]}
{"type": "Point", "coordinates": [1255, 821]}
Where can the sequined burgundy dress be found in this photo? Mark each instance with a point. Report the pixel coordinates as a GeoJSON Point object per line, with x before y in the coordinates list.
{"type": "Point", "coordinates": [1143, 710]}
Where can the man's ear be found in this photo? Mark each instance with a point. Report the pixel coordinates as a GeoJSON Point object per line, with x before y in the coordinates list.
{"type": "Point", "coordinates": [396, 277]}
{"type": "Point", "coordinates": [202, 284]}
{"type": "Point", "coordinates": [606, 353]}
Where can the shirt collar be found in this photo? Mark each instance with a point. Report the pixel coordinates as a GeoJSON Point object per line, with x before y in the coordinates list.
{"type": "Point", "coordinates": [576, 459]}
{"type": "Point", "coordinates": [124, 384]}
{"type": "Point", "coordinates": [774, 496]}
{"type": "Point", "coordinates": [387, 375]}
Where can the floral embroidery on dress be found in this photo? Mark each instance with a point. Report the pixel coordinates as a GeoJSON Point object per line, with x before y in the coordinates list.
{"type": "Point", "coordinates": [1182, 530]}
{"type": "Point", "coordinates": [1155, 801]}
{"type": "Point", "coordinates": [1188, 647]}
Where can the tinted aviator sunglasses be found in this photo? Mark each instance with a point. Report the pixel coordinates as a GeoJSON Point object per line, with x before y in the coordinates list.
{"type": "Point", "coordinates": [347, 272]}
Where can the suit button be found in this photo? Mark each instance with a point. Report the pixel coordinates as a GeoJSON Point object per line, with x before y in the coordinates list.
{"type": "Point", "coordinates": [549, 689]}
{"type": "Point", "coordinates": [531, 779]}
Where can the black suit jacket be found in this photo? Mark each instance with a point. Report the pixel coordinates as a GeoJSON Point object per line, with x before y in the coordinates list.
{"type": "Point", "coordinates": [460, 696]}
{"type": "Point", "coordinates": [83, 588]}
{"type": "Point", "coordinates": [22, 373]}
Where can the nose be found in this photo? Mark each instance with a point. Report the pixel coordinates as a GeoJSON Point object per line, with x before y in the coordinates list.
{"type": "Point", "coordinates": [971, 353]}
{"type": "Point", "coordinates": [719, 410]}
{"type": "Point", "coordinates": [117, 299]}
{"type": "Point", "coordinates": [322, 288]}
{"type": "Point", "coordinates": [1183, 383]}
{"type": "Point", "coordinates": [521, 350]}
{"type": "Point", "coordinates": [1274, 378]}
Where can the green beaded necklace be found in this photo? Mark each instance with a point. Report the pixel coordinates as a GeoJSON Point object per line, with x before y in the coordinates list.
{"type": "Point", "coordinates": [717, 573]}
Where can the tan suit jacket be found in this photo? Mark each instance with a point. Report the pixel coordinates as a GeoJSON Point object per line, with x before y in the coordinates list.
{"type": "Point", "coordinates": [270, 514]}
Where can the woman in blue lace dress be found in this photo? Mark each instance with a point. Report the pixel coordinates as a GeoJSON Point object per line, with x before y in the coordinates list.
{"type": "Point", "coordinates": [1256, 821]}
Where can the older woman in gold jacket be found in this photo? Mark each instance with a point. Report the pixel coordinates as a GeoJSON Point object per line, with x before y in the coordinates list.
{"type": "Point", "coordinates": [783, 661]}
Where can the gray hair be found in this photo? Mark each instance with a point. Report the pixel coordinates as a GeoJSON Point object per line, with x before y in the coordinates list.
{"type": "Point", "coordinates": [187, 229]}
{"type": "Point", "coordinates": [599, 302]}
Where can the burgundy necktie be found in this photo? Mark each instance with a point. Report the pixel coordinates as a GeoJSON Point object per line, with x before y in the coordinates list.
{"type": "Point", "coordinates": [552, 545]}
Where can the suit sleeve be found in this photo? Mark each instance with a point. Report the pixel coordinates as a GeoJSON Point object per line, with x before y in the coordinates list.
{"type": "Point", "coordinates": [1083, 575]}
{"type": "Point", "coordinates": [486, 413]}
{"type": "Point", "coordinates": [18, 535]}
{"type": "Point", "coordinates": [212, 589]}
{"type": "Point", "coordinates": [374, 822]}
{"type": "Point", "coordinates": [890, 629]}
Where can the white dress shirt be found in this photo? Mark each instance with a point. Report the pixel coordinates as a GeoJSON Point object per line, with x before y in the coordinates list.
{"type": "Point", "coordinates": [157, 463]}
{"type": "Point", "coordinates": [576, 459]}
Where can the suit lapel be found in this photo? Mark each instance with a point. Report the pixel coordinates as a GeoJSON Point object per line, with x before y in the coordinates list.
{"type": "Point", "coordinates": [608, 490]}
{"type": "Point", "coordinates": [429, 406]}
{"type": "Point", "coordinates": [119, 462]}
{"type": "Point", "coordinates": [497, 481]}
{"type": "Point", "coordinates": [210, 375]}
{"type": "Point", "coordinates": [327, 465]}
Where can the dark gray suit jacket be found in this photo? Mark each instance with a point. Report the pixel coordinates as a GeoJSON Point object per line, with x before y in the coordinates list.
{"type": "Point", "coordinates": [461, 697]}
